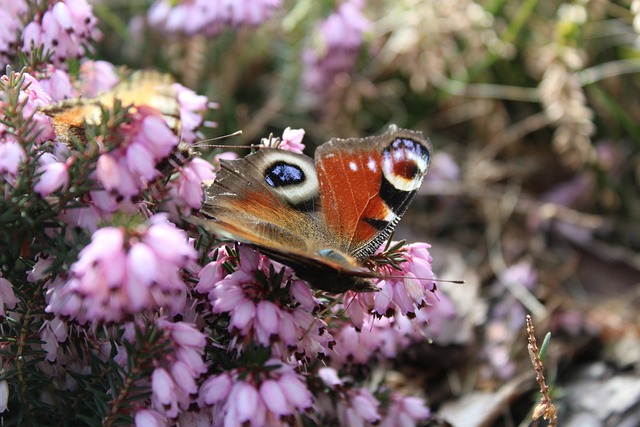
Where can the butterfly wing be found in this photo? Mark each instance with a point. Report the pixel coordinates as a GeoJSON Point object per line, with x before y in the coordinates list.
{"type": "Point", "coordinates": [270, 199]}
{"type": "Point", "coordinates": [366, 185]}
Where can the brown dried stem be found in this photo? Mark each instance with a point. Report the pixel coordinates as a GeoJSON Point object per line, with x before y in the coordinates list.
{"type": "Point", "coordinates": [545, 408]}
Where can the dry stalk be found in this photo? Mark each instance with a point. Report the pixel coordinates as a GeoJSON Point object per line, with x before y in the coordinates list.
{"type": "Point", "coordinates": [545, 408]}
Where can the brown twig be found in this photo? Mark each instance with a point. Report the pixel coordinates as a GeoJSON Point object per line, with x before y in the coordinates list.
{"type": "Point", "coordinates": [545, 408]}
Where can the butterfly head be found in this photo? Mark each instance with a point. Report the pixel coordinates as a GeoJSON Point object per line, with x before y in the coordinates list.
{"type": "Point", "coordinates": [336, 282]}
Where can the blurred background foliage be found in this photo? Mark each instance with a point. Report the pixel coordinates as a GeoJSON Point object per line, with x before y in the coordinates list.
{"type": "Point", "coordinates": [532, 106]}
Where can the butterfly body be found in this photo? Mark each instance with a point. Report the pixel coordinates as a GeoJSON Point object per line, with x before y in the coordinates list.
{"type": "Point", "coordinates": [142, 89]}
{"type": "Point", "coordinates": [323, 218]}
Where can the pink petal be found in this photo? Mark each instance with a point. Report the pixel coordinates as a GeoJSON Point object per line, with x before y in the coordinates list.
{"type": "Point", "coordinates": [215, 389]}
{"type": "Point", "coordinates": [186, 335]}
{"type": "Point", "coordinates": [296, 391]}
{"type": "Point", "coordinates": [163, 386]}
{"type": "Point", "coordinates": [108, 172]}
{"type": "Point", "coordinates": [330, 377]}
{"type": "Point", "coordinates": [150, 418]}
{"type": "Point", "coordinates": [247, 402]}
{"type": "Point", "coordinates": [274, 398]}
{"type": "Point", "coordinates": [142, 264]}
{"type": "Point", "coordinates": [183, 377]}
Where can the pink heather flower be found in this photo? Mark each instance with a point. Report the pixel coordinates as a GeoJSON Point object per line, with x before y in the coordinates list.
{"type": "Point", "coordinates": [186, 191]}
{"type": "Point", "coordinates": [54, 175]}
{"type": "Point", "coordinates": [315, 340]}
{"type": "Point", "coordinates": [386, 337]}
{"type": "Point", "coordinates": [107, 203]}
{"type": "Point", "coordinates": [202, 16]}
{"type": "Point", "coordinates": [129, 168]}
{"type": "Point", "coordinates": [173, 381]}
{"type": "Point", "coordinates": [96, 77]}
{"type": "Point", "coordinates": [40, 269]}
{"type": "Point", "coordinates": [36, 97]}
{"type": "Point", "coordinates": [302, 293]}
{"type": "Point", "coordinates": [52, 333]}
{"type": "Point", "coordinates": [405, 411]}
{"type": "Point", "coordinates": [330, 377]}
{"type": "Point", "coordinates": [341, 35]}
{"type": "Point", "coordinates": [7, 297]}
{"type": "Point", "coordinates": [57, 84]}
{"type": "Point", "coordinates": [164, 395]}
{"type": "Point", "coordinates": [192, 109]}
{"type": "Point", "coordinates": [521, 274]}
{"type": "Point", "coordinates": [405, 292]}
{"type": "Point", "coordinates": [443, 168]}
{"type": "Point", "coordinates": [65, 30]}
{"type": "Point", "coordinates": [215, 389]}
{"type": "Point", "coordinates": [264, 398]}
{"type": "Point", "coordinates": [86, 218]}
{"type": "Point", "coordinates": [12, 154]}
{"type": "Point", "coordinates": [114, 175]}
{"type": "Point", "coordinates": [359, 346]}
{"type": "Point", "coordinates": [254, 310]}
{"type": "Point", "coordinates": [10, 22]}
{"type": "Point", "coordinates": [359, 408]}
{"type": "Point", "coordinates": [507, 316]}
{"type": "Point", "coordinates": [213, 272]}
{"type": "Point", "coordinates": [33, 97]}
{"type": "Point", "coordinates": [150, 418]}
{"type": "Point", "coordinates": [292, 140]}
{"type": "Point", "coordinates": [119, 274]}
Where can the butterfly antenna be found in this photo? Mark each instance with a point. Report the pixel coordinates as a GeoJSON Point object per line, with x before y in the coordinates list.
{"type": "Point", "coordinates": [236, 133]}
{"type": "Point", "coordinates": [457, 282]}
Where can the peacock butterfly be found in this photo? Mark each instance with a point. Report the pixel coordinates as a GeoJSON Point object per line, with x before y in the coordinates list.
{"type": "Point", "coordinates": [323, 218]}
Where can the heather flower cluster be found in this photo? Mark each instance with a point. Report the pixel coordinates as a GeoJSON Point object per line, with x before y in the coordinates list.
{"type": "Point", "coordinates": [359, 406]}
{"type": "Point", "coordinates": [11, 15]}
{"type": "Point", "coordinates": [340, 39]}
{"type": "Point", "coordinates": [31, 97]}
{"type": "Point", "coordinates": [266, 305]}
{"type": "Point", "coordinates": [122, 272]}
{"type": "Point", "coordinates": [272, 394]}
{"type": "Point", "coordinates": [128, 169]}
{"type": "Point", "coordinates": [507, 316]}
{"type": "Point", "coordinates": [271, 312]}
{"type": "Point", "coordinates": [114, 299]}
{"type": "Point", "coordinates": [96, 77]}
{"type": "Point", "coordinates": [64, 30]}
{"type": "Point", "coordinates": [8, 299]}
{"type": "Point", "coordinates": [209, 17]}
{"type": "Point", "coordinates": [406, 290]}
{"type": "Point", "coordinates": [173, 382]}
{"type": "Point", "coordinates": [291, 140]}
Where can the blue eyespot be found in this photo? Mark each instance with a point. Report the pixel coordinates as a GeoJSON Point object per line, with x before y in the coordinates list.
{"type": "Point", "coordinates": [281, 174]}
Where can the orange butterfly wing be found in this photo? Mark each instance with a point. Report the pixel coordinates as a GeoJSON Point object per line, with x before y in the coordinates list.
{"type": "Point", "coordinates": [367, 184]}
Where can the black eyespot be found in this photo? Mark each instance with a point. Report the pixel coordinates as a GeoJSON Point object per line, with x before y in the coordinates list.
{"type": "Point", "coordinates": [281, 174]}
